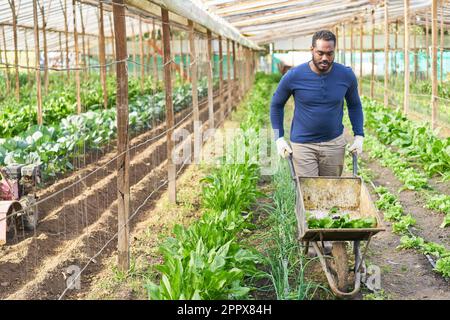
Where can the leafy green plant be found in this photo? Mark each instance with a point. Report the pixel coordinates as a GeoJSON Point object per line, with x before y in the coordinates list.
{"type": "Point", "coordinates": [401, 226]}
{"type": "Point", "coordinates": [416, 142]}
{"type": "Point", "coordinates": [282, 255]}
{"type": "Point", "coordinates": [343, 221]}
{"type": "Point", "coordinates": [55, 146]}
{"type": "Point", "coordinates": [443, 266]}
{"type": "Point", "coordinates": [206, 260]}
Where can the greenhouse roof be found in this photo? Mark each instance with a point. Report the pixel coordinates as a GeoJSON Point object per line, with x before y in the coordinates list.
{"type": "Point", "coordinates": [266, 20]}
{"type": "Point", "coordinates": [249, 22]}
{"type": "Point", "coordinates": [87, 12]}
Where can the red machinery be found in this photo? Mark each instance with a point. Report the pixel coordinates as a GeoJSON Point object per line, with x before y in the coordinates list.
{"type": "Point", "coordinates": [17, 198]}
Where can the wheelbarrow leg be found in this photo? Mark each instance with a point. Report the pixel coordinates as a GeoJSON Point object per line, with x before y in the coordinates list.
{"type": "Point", "coordinates": [340, 257]}
{"type": "Point", "coordinates": [306, 248]}
{"type": "Point", "coordinates": [331, 279]}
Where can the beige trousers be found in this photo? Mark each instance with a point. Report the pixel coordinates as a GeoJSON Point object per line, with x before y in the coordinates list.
{"type": "Point", "coordinates": [319, 159]}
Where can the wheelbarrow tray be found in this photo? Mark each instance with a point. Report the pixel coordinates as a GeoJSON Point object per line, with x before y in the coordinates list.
{"type": "Point", "coordinates": [349, 194]}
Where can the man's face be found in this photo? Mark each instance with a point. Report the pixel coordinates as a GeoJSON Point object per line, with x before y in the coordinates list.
{"type": "Point", "coordinates": [323, 54]}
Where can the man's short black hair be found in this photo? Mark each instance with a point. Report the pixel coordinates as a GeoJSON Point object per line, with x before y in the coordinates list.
{"type": "Point", "coordinates": [323, 35]}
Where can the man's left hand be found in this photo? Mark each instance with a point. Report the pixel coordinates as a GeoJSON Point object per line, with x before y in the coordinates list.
{"type": "Point", "coordinates": [357, 145]}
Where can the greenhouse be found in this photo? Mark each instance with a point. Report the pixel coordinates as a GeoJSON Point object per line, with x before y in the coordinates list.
{"type": "Point", "coordinates": [224, 150]}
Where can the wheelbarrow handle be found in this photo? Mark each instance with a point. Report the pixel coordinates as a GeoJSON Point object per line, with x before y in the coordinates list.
{"type": "Point", "coordinates": [291, 165]}
{"type": "Point", "coordinates": [355, 163]}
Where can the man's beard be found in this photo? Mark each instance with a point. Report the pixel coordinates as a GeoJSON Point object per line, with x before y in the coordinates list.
{"type": "Point", "coordinates": [322, 67]}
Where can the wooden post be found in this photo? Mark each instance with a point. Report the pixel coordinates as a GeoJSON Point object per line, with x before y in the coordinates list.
{"type": "Point", "coordinates": [248, 59]}
{"type": "Point", "coordinates": [234, 69]}
{"type": "Point", "coordinates": [361, 49]}
{"type": "Point", "coordinates": [181, 59]}
{"type": "Point", "coordinates": [123, 160]}
{"type": "Point", "coordinates": [395, 46]}
{"type": "Point", "coordinates": [133, 48]}
{"type": "Point", "coordinates": [221, 91]}
{"type": "Point", "coordinates": [416, 66]}
{"type": "Point", "coordinates": [352, 62]}
{"type": "Point", "coordinates": [336, 47]}
{"type": "Point", "coordinates": [113, 65]}
{"type": "Point", "coordinates": [148, 43]}
{"type": "Point", "coordinates": [244, 69]}
{"type": "Point", "coordinates": [434, 79]}
{"type": "Point", "coordinates": [171, 167]}
{"type": "Point", "coordinates": [406, 50]}
{"type": "Point", "coordinates": [37, 64]}
{"type": "Point", "coordinates": [427, 44]}
{"type": "Point", "coordinates": [442, 42]}
{"type": "Point", "coordinates": [372, 78]}
{"type": "Point", "coordinates": [27, 56]}
{"type": "Point", "coordinates": [1, 58]}
{"type": "Point", "coordinates": [247, 69]}
{"type": "Point", "coordinates": [210, 80]}
{"type": "Point", "coordinates": [240, 71]}
{"type": "Point", "coordinates": [83, 40]}
{"type": "Point", "coordinates": [88, 61]}
{"type": "Point", "coordinates": [155, 57]}
{"type": "Point", "coordinates": [193, 76]}
{"type": "Point", "coordinates": [101, 53]}
{"type": "Point", "coordinates": [8, 80]}
{"type": "Point", "coordinates": [141, 56]}
{"type": "Point", "coordinates": [193, 71]}
{"type": "Point", "coordinates": [44, 37]}
{"type": "Point", "coordinates": [386, 53]}
{"type": "Point", "coordinates": [343, 44]}
{"type": "Point", "coordinates": [16, 51]}
{"type": "Point", "coordinates": [66, 32]}
{"type": "Point", "coordinates": [77, 63]}
{"type": "Point", "coordinates": [229, 87]}
{"type": "Point", "coordinates": [61, 52]}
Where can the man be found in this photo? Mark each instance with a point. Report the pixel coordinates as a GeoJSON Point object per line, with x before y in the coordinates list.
{"type": "Point", "coordinates": [319, 88]}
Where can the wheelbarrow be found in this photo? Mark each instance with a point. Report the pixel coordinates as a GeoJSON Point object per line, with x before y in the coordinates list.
{"type": "Point", "coordinates": [349, 195]}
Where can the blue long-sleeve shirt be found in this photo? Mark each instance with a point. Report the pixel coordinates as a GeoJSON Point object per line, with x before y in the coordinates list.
{"type": "Point", "coordinates": [319, 103]}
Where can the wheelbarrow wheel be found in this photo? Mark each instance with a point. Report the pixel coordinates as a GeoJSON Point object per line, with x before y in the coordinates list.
{"type": "Point", "coordinates": [340, 257]}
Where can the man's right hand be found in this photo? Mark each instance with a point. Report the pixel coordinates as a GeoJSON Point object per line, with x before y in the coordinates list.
{"type": "Point", "coordinates": [283, 147]}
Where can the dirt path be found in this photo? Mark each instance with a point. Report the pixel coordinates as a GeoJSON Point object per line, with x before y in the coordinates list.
{"type": "Point", "coordinates": [79, 221]}
{"type": "Point", "coordinates": [156, 224]}
{"type": "Point", "coordinates": [406, 274]}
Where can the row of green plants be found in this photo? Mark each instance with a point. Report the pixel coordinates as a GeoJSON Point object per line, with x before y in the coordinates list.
{"type": "Point", "coordinates": [55, 146]}
{"type": "Point", "coordinates": [390, 205]}
{"type": "Point", "coordinates": [284, 265]}
{"type": "Point", "coordinates": [61, 101]}
{"type": "Point", "coordinates": [411, 178]}
{"type": "Point", "coordinates": [415, 142]}
{"type": "Point", "coordinates": [206, 260]}
{"type": "Point", "coordinates": [393, 211]}
{"type": "Point", "coordinates": [284, 261]}
{"type": "Point", "coordinates": [420, 86]}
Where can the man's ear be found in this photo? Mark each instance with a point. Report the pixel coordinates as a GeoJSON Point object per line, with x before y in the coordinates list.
{"type": "Point", "coordinates": [311, 48]}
